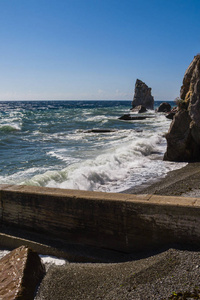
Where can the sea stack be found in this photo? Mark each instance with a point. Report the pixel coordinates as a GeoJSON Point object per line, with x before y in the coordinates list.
{"type": "Point", "coordinates": [183, 137]}
{"type": "Point", "coordinates": [142, 95]}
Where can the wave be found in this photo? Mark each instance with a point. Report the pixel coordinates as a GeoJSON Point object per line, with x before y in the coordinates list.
{"type": "Point", "coordinates": [20, 176]}
{"type": "Point", "coordinates": [9, 128]}
{"type": "Point", "coordinates": [118, 169]}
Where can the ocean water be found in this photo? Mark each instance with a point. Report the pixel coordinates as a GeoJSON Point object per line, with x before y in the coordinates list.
{"type": "Point", "coordinates": [49, 143]}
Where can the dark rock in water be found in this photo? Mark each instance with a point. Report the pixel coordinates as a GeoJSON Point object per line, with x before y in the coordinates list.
{"type": "Point", "coordinates": [183, 137]}
{"type": "Point", "coordinates": [20, 273]}
{"type": "Point", "coordinates": [133, 118]}
{"type": "Point", "coordinates": [100, 130]}
{"type": "Point", "coordinates": [164, 107]}
{"type": "Point", "coordinates": [142, 95]}
{"type": "Point", "coordinates": [172, 113]}
{"type": "Point", "coordinates": [139, 109]}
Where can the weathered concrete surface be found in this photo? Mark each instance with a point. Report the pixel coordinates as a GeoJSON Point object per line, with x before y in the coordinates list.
{"type": "Point", "coordinates": [119, 222]}
{"type": "Point", "coordinates": [8, 241]}
{"type": "Point", "coordinates": [20, 272]}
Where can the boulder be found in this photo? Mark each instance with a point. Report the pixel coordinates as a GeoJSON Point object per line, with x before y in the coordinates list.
{"type": "Point", "coordinates": [142, 95]}
{"type": "Point", "coordinates": [164, 107]}
{"type": "Point", "coordinates": [183, 137]}
{"type": "Point", "coordinates": [172, 113]}
{"type": "Point", "coordinates": [139, 109]}
{"type": "Point", "coordinates": [20, 273]}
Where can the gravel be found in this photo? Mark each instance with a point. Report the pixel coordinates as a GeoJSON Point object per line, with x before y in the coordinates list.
{"type": "Point", "coordinates": [159, 276]}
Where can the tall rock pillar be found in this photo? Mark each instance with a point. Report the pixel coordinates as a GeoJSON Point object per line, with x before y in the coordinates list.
{"type": "Point", "coordinates": [142, 95]}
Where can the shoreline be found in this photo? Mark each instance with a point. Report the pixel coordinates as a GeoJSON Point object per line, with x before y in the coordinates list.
{"type": "Point", "coordinates": [183, 182]}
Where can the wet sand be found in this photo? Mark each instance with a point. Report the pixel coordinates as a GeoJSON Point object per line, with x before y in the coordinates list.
{"type": "Point", "coordinates": [168, 274]}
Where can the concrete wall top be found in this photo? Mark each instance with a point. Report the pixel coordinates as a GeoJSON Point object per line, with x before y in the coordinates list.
{"type": "Point", "coordinates": [60, 193]}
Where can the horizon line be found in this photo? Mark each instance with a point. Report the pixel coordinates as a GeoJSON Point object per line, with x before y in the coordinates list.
{"type": "Point", "coordinates": [76, 100]}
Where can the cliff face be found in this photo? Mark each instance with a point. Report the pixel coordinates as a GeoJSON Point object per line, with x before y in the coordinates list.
{"type": "Point", "coordinates": [183, 137]}
{"type": "Point", "coordinates": [142, 95]}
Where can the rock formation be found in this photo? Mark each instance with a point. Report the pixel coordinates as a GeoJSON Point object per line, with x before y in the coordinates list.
{"type": "Point", "coordinates": [100, 130]}
{"type": "Point", "coordinates": [172, 113]}
{"type": "Point", "coordinates": [183, 137]}
{"type": "Point", "coordinates": [20, 273]}
{"type": "Point", "coordinates": [164, 107]}
{"type": "Point", "coordinates": [139, 109]}
{"type": "Point", "coordinates": [142, 95]}
{"type": "Point", "coordinates": [128, 117]}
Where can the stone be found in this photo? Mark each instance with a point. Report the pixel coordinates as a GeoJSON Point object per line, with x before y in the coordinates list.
{"type": "Point", "coordinates": [172, 113]}
{"type": "Point", "coordinates": [142, 95]}
{"type": "Point", "coordinates": [183, 137]}
{"type": "Point", "coordinates": [129, 117]}
{"type": "Point", "coordinates": [100, 130]}
{"type": "Point", "coordinates": [164, 107]}
{"type": "Point", "coordinates": [20, 273]}
{"type": "Point", "coordinates": [139, 109]}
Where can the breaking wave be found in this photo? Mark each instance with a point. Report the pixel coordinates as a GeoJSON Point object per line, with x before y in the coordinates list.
{"type": "Point", "coordinates": [9, 128]}
{"type": "Point", "coordinates": [117, 169]}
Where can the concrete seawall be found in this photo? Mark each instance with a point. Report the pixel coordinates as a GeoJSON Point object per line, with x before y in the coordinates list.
{"type": "Point", "coordinates": [119, 222]}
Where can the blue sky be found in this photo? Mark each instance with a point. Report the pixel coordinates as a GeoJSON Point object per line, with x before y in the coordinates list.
{"type": "Point", "coordinates": [95, 49]}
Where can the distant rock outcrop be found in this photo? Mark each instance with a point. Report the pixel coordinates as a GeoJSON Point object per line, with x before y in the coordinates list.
{"type": "Point", "coordinates": [129, 117]}
{"type": "Point", "coordinates": [139, 109]}
{"type": "Point", "coordinates": [100, 130]}
{"type": "Point", "coordinates": [164, 107]}
{"type": "Point", "coordinates": [183, 138]}
{"type": "Point", "coordinates": [142, 95]}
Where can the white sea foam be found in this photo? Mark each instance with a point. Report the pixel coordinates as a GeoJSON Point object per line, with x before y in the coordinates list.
{"type": "Point", "coordinates": [120, 167]}
{"type": "Point", "coordinates": [52, 260]}
{"type": "Point", "coordinates": [11, 122]}
{"type": "Point", "coordinates": [98, 118]}
{"type": "Point", "coordinates": [62, 155]}
{"type": "Point", "coordinates": [20, 176]}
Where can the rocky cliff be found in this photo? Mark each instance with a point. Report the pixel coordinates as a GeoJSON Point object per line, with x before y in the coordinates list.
{"type": "Point", "coordinates": [142, 95]}
{"type": "Point", "coordinates": [183, 137]}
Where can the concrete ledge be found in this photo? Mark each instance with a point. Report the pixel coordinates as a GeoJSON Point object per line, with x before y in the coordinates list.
{"type": "Point", "coordinates": [10, 242]}
{"type": "Point", "coordinates": [119, 222]}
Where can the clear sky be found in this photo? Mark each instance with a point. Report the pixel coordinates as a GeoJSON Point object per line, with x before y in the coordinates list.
{"type": "Point", "coordinates": [95, 49]}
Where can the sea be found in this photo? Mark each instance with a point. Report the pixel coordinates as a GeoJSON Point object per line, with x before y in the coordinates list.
{"type": "Point", "coordinates": [81, 145]}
